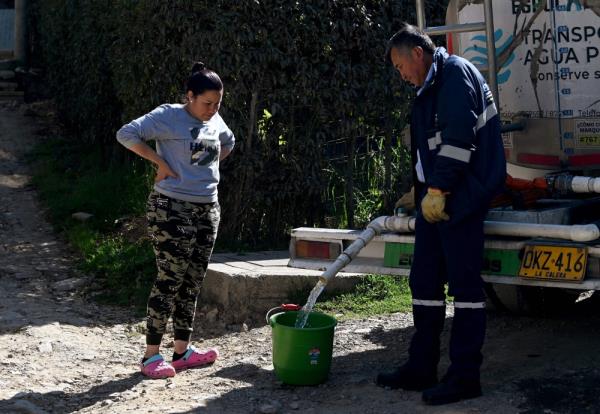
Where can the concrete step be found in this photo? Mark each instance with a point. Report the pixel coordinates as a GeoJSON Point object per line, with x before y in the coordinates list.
{"type": "Point", "coordinates": [246, 286]}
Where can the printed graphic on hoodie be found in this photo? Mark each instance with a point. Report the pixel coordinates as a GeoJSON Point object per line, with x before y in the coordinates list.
{"type": "Point", "coordinates": [205, 146]}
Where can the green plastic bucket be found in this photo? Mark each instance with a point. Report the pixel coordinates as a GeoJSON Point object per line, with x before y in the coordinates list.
{"type": "Point", "coordinates": [302, 356]}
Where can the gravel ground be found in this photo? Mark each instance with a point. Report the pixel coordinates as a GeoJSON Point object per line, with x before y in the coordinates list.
{"type": "Point", "coordinates": [62, 353]}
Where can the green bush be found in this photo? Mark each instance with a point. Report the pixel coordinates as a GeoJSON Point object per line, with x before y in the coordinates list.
{"type": "Point", "coordinates": [300, 78]}
{"type": "Point", "coordinates": [75, 181]}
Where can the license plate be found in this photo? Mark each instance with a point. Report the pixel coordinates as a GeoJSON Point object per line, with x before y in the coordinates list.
{"type": "Point", "coordinates": [567, 263]}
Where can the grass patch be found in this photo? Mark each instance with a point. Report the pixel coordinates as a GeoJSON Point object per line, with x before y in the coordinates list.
{"type": "Point", "coordinates": [70, 179]}
{"type": "Point", "coordinates": [373, 295]}
{"type": "Point", "coordinates": [126, 269]}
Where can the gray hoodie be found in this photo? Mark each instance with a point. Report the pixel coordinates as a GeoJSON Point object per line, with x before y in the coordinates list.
{"type": "Point", "coordinates": [191, 148]}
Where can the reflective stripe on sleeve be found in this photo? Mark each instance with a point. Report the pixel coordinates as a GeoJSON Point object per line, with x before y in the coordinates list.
{"type": "Point", "coordinates": [433, 142]}
{"type": "Point", "coordinates": [419, 169]}
{"type": "Point", "coordinates": [485, 116]}
{"type": "Point", "coordinates": [455, 153]}
{"type": "Point", "coordinates": [428, 302]}
{"type": "Point", "coordinates": [469, 305]}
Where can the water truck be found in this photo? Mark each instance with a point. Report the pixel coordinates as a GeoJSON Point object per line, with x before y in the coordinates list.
{"type": "Point", "coordinates": [542, 248]}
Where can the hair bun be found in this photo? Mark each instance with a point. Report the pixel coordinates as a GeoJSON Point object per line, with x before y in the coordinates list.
{"type": "Point", "coordinates": [197, 67]}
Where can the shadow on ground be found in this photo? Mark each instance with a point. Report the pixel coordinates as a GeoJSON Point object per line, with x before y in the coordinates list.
{"type": "Point", "coordinates": [576, 393]}
{"type": "Point", "coordinates": [65, 402]}
{"type": "Point", "coordinates": [532, 365]}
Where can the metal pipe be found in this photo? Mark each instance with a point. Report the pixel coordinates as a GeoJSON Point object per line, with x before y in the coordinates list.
{"type": "Point", "coordinates": [455, 28]}
{"type": "Point", "coordinates": [404, 224]}
{"type": "Point", "coordinates": [581, 184]}
{"type": "Point", "coordinates": [399, 224]}
{"type": "Point", "coordinates": [577, 232]}
{"type": "Point", "coordinates": [491, 50]}
{"type": "Point", "coordinates": [487, 25]}
{"type": "Point", "coordinates": [383, 223]}
{"type": "Point", "coordinates": [348, 254]}
{"type": "Point", "coordinates": [420, 14]}
{"type": "Point", "coordinates": [565, 183]}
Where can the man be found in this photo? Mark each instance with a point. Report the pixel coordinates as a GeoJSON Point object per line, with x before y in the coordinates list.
{"type": "Point", "coordinates": [459, 166]}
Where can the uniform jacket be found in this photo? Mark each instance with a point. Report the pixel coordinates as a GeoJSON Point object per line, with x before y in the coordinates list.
{"type": "Point", "coordinates": [456, 128]}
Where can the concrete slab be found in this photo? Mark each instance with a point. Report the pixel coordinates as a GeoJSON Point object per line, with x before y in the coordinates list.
{"type": "Point", "coordinates": [245, 286]}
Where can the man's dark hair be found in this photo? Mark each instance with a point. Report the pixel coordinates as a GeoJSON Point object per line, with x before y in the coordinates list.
{"type": "Point", "coordinates": [409, 37]}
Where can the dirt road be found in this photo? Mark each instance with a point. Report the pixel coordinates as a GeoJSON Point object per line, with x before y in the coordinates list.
{"type": "Point", "coordinates": [62, 353]}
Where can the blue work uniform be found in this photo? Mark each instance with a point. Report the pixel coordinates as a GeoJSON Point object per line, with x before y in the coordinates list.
{"type": "Point", "coordinates": [457, 147]}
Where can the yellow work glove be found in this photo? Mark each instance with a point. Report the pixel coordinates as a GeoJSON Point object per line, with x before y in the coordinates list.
{"type": "Point", "coordinates": [433, 205]}
{"type": "Point", "coordinates": [407, 200]}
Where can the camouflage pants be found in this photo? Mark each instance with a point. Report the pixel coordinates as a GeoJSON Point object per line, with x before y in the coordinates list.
{"type": "Point", "coordinates": [183, 235]}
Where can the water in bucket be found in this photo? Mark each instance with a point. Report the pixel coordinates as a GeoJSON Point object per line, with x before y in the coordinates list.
{"type": "Point", "coordinates": [303, 343]}
{"type": "Point", "coordinates": [310, 303]}
{"type": "Point", "coordinates": [302, 356]}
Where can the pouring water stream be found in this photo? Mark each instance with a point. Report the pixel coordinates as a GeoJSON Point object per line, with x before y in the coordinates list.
{"type": "Point", "coordinates": [398, 223]}
{"type": "Point", "coordinates": [302, 317]}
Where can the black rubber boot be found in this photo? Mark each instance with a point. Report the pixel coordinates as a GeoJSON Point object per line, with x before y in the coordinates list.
{"type": "Point", "coordinates": [420, 372]}
{"type": "Point", "coordinates": [407, 378]}
{"type": "Point", "coordinates": [452, 389]}
{"type": "Point", "coordinates": [466, 342]}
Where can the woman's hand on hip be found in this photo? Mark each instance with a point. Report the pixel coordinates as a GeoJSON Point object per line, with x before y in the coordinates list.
{"type": "Point", "coordinates": [163, 172]}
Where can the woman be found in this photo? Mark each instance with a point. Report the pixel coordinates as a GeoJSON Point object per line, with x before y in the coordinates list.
{"type": "Point", "coordinates": [183, 211]}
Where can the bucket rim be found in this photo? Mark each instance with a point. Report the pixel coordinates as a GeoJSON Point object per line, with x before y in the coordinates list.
{"type": "Point", "coordinates": [333, 323]}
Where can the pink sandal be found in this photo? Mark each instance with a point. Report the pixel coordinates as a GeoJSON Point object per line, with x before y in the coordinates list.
{"type": "Point", "coordinates": [194, 358]}
{"type": "Point", "coordinates": [156, 367]}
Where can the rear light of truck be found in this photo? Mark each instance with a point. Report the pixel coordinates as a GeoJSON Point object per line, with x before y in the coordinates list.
{"type": "Point", "coordinates": [584, 160]}
{"type": "Point", "coordinates": [317, 249]}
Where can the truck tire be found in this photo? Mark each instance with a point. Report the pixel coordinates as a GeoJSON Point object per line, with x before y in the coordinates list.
{"type": "Point", "coordinates": [506, 298]}
{"type": "Point", "coordinates": [530, 300]}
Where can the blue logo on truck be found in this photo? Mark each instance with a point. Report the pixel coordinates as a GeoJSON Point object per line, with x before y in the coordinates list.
{"type": "Point", "coordinates": [477, 53]}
